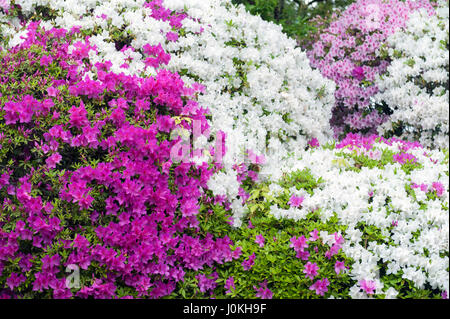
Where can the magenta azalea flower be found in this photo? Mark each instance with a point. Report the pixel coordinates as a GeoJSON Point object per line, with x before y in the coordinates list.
{"type": "Point", "coordinates": [263, 292]}
{"type": "Point", "coordinates": [314, 235]}
{"type": "Point", "coordinates": [15, 280]}
{"type": "Point", "coordinates": [358, 73]}
{"type": "Point", "coordinates": [52, 91]}
{"type": "Point", "coordinates": [439, 188]}
{"type": "Point", "coordinates": [404, 158]}
{"type": "Point", "coordinates": [205, 283]}
{"type": "Point", "coordinates": [314, 143]}
{"type": "Point", "coordinates": [298, 243]}
{"type": "Point", "coordinates": [172, 36]}
{"type": "Point", "coordinates": [320, 286]}
{"type": "Point", "coordinates": [368, 286]}
{"type": "Point", "coordinates": [260, 240]}
{"type": "Point", "coordinates": [229, 285]}
{"type": "Point", "coordinates": [248, 264]}
{"type": "Point", "coordinates": [310, 270]}
{"type": "Point", "coordinates": [296, 201]}
{"type": "Point", "coordinates": [53, 160]}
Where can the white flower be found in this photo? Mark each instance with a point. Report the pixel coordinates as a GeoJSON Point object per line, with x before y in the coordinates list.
{"type": "Point", "coordinates": [391, 293]}
{"type": "Point", "coordinates": [415, 85]}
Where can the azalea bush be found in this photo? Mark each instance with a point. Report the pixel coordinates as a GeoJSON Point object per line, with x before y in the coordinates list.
{"type": "Point", "coordinates": [367, 218]}
{"type": "Point", "coordinates": [363, 218]}
{"type": "Point", "coordinates": [83, 161]}
{"type": "Point", "coordinates": [262, 93]}
{"type": "Point", "coordinates": [347, 51]}
{"type": "Point", "coordinates": [415, 85]}
{"type": "Point", "coordinates": [174, 149]}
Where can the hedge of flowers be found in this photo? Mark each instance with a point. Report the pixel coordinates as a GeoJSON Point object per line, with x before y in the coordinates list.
{"type": "Point", "coordinates": [380, 230]}
{"type": "Point", "coordinates": [104, 195]}
{"type": "Point", "coordinates": [262, 93]}
{"type": "Point", "coordinates": [386, 215]}
{"type": "Point", "coordinates": [83, 160]}
{"type": "Point", "coordinates": [415, 86]}
{"type": "Point", "coordinates": [347, 51]}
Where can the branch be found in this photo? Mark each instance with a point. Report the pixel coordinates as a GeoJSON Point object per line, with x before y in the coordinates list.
{"type": "Point", "coordinates": [313, 1]}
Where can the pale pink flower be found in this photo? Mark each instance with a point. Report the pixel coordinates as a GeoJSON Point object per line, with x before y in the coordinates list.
{"type": "Point", "coordinates": [5, 4]}
{"type": "Point", "coordinates": [339, 266]}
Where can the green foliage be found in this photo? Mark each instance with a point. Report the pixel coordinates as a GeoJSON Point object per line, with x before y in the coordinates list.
{"type": "Point", "coordinates": [276, 261]}
{"type": "Point", "coordinates": [295, 16]}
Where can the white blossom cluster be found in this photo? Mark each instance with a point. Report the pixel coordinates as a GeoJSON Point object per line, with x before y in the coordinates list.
{"type": "Point", "coordinates": [260, 88]}
{"type": "Point", "coordinates": [415, 227]}
{"type": "Point", "coordinates": [415, 86]}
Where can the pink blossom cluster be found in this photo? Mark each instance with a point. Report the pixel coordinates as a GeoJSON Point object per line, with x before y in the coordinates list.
{"type": "Point", "coordinates": [435, 186]}
{"type": "Point", "coordinates": [368, 286]}
{"type": "Point", "coordinates": [142, 207]}
{"type": "Point", "coordinates": [364, 145]}
{"type": "Point", "coordinates": [159, 12]}
{"type": "Point", "coordinates": [263, 291]}
{"type": "Point", "coordinates": [347, 52]}
{"type": "Point", "coordinates": [355, 141]}
{"type": "Point", "coordinates": [311, 269]}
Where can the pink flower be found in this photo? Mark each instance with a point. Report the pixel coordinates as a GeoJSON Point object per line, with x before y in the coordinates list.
{"type": "Point", "coordinates": [339, 240]}
{"type": "Point", "coordinates": [205, 283]}
{"type": "Point", "coordinates": [172, 36]}
{"type": "Point", "coordinates": [314, 142]}
{"type": "Point", "coordinates": [299, 246]}
{"type": "Point", "coordinates": [320, 286]}
{"type": "Point", "coordinates": [236, 253]}
{"type": "Point", "coordinates": [78, 116]}
{"type": "Point", "coordinates": [52, 91]}
{"type": "Point", "coordinates": [404, 158]}
{"type": "Point", "coordinates": [368, 286]}
{"type": "Point", "coordinates": [339, 266]}
{"type": "Point", "coordinates": [255, 159]}
{"type": "Point", "coordinates": [310, 270]}
{"type": "Point", "coordinates": [439, 188]}
{"type": "Point", "coordinates": [248, 264]}
{"type": "Point", "coordinates": [53, 160]}
{"type": "Point", "coordinates": [298, 243]}
{"type": "Point", "coordinates": [229, 285]}
{"type": "Point", "coordinates": [5, 4]}
{"type": "Point", "coordinates": [263, 292]}
{"type": "Point", "coordinates": [46, 60]}
{"type": "Point", "coordinates": [296, 201]}
{"type": "Point", "coordinates": [358, 73]}
{"type": "Point", "coordinates": [314, 235]}
{"type": "Point", "coordinates": [15, 280]}
{"type": "Point", "coordinates": [260, 240]}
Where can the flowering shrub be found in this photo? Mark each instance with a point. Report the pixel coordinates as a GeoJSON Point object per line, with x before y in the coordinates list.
{"type": "Point", "coordinates": [364, 218]}
{"type": "Point", "coordinates": [98, 177]}
{"type": "Point", "coordinates": [388, 199]}
{"type": "Point", "coordinates": [415, 85]}
{"type": "Point", "coordinates": [347, 52]}
{"type": "Point", "coordinates": [87, 178]}
{"type": "Point", "coordinates": [262, 93]}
